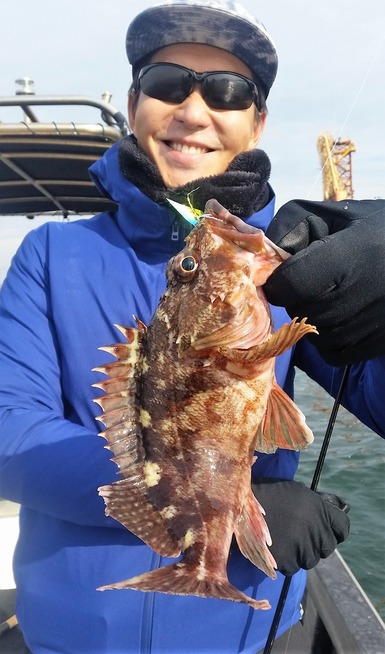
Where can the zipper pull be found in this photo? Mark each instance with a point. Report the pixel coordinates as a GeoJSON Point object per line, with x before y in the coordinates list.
{"type": "Point", "coordinates": [175, 231]}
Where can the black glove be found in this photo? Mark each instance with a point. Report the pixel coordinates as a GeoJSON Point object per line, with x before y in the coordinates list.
{"type": "Point", "coordinates": [336, 277]}
{"type": "Point", "coordinates": [304, 526]}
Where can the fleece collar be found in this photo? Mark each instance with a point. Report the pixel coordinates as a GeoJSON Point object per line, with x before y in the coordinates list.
{"type": "Point", "coordinates": [243, 188]}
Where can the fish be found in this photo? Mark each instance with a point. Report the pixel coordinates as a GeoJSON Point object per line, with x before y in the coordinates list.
{"type": "Point", "coordinates": [188, 400]}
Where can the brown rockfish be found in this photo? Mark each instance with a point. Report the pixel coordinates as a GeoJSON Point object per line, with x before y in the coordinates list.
{"type": "Point", "coordinates": [189, 400]}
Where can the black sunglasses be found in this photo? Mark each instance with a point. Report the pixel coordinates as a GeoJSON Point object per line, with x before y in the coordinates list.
{"type": "Point", "coordinates": [220, 89]}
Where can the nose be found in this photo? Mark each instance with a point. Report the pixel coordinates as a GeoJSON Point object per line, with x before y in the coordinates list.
{"type": "Point", "coordinates": [193, 111]}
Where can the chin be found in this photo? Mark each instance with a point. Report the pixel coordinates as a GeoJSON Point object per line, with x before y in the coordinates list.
{"type": "Point", "coordinates": [176, 181]}
{"type": "Point", "coordinates": [180, 179]}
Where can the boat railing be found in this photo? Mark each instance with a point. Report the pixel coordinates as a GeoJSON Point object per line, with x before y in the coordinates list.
{"type": "Point", "coordinates": [44, 165]}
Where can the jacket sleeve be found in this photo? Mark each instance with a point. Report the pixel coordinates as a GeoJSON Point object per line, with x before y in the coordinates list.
{"type": "Point", "coordinates": [364, 394]}
{"type": "Point", "coordinates": [47, 462]}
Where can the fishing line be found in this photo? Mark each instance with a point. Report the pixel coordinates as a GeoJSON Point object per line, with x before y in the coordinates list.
{"type": "Point", "coordinates": [354, 102]}
{"type": "Point", "coordinates": [313, 487]}
{"type": "Point", "coordinates": [329, 430]}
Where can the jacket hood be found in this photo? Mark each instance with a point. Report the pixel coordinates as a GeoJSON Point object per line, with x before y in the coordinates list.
{"type": "Point", "coordinates": [107, 176]}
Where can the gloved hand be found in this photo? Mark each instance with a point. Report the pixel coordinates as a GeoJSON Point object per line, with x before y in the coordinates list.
{"type": "Point", "coordinates": [305, 526]}
{"type": "Point", "coordinates": [336, 277]}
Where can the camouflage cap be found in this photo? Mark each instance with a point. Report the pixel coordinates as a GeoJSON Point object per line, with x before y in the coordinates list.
{"type": "Point", "coordinates": [224, 24]}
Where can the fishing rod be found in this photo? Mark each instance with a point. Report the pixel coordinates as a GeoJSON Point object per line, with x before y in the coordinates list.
{"type": "Point", "coordinates": [313, 487]}
{"type": "Point", "coordinates": [333, 415]}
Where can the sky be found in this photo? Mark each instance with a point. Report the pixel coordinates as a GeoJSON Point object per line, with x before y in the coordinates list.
{"type": "Point", "coordinates": [330, 78]}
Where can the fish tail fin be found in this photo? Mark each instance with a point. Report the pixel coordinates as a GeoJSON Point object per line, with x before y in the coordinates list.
{"type": "Point", "coordinates": [253, 536]}
{"type": "Point", "coordinates": [180, 579]}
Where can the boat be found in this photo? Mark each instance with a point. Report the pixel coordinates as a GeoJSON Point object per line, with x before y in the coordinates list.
{"type": "Point", "coordinates": [44, 172]}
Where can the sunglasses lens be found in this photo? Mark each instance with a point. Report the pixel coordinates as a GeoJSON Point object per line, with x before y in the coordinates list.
{"type": "Point", "coordinates": [220, 90]}
{"type": "Point", "coordinates": [166, 83]}
{"type": "Point", "coordinates": [227, 91]}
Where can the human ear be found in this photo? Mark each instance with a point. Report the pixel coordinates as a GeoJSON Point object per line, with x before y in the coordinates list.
{"type": "Point", "coordinates": [132, 103]}
{"type": "Point", "coordinates": [258, 127]}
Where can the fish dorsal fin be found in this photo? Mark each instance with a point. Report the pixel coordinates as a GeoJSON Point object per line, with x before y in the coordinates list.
{"type": "Point", "coordinates": [120, 411]}
{"type": "Point", "coordinates": [127, 500]}
{"type": "Point", "coordinates": [283, 426]}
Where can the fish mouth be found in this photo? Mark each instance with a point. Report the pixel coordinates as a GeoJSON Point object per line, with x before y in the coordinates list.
{"type": "Point", "coordinates": [248, 237]}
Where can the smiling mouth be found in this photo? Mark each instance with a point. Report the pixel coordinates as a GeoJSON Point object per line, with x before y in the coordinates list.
{"type": "Point", "coordinates": [187, 149]}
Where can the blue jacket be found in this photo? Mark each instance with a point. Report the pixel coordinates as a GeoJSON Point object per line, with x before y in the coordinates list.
{"type": "Point", "coordinates": [67, 286]}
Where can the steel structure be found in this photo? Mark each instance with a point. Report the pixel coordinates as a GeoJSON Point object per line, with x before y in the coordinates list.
{"type": "Point", "coordinates": [336, 162]}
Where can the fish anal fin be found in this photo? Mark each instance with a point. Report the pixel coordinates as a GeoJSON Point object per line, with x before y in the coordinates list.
{"type": "Point", "coordinates": [253, 536]}
{"type": "Point", "coordinates": [181, 579]}
{"type": "Point", "coordinates": [283, 425]}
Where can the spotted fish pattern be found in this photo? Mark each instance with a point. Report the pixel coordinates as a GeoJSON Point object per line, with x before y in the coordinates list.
{"type": "Point", "coordinates": [187, 402]}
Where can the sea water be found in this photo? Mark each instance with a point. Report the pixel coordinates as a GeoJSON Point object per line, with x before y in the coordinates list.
{"type": "Point", "coordinates": [355, 470]}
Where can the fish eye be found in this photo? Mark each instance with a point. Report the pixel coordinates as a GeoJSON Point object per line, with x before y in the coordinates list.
{"type": "Point", "coordinates": [185, 266]}
{"type": "Point", "coordinates": [188, 264]}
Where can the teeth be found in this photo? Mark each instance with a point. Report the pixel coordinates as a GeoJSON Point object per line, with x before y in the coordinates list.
{"type": "Point", "coordinates": [187, 149]}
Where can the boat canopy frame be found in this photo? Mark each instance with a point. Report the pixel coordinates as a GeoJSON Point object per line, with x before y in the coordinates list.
{"type": "Point", "coordinates": [44, 165]}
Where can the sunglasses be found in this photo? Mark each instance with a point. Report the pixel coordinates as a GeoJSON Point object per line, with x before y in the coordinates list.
{"type": "Point", "coordinates": [220, 89]}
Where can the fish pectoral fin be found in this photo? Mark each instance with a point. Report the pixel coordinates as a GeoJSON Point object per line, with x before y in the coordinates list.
{"type": "Point", "coordinates": [126, 502]}
{"type": "Point", "coordinates": [287, 336]}
{"type": "Point", "coordinates": [284, 338]}
{"type": "Point", "coordinates": [253, 536]}
{"type": "Point", "coordinates": [283, 426]}
{"type": "Point", "coordinates": [182, 579]}
{"type": "Point", "coordinates": [246, 363]}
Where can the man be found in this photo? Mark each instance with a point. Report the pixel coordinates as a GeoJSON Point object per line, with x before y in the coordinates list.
{"type": "Point", "coordinates": [194, 127]}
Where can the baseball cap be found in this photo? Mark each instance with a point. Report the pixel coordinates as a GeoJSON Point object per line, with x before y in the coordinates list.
{"type": "Point", "coordinates": [223, 24]}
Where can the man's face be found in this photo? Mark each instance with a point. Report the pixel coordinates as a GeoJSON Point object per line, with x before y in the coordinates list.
{"type": "Point", "coordinates": [190, 140]}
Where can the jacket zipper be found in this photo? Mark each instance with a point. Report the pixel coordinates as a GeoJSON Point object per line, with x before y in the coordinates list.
{"type": "Point", "coordinates": [148, 612]}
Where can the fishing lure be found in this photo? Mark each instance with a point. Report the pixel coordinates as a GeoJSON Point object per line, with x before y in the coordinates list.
{"type": "Point", "coordinates": [188, 212]}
